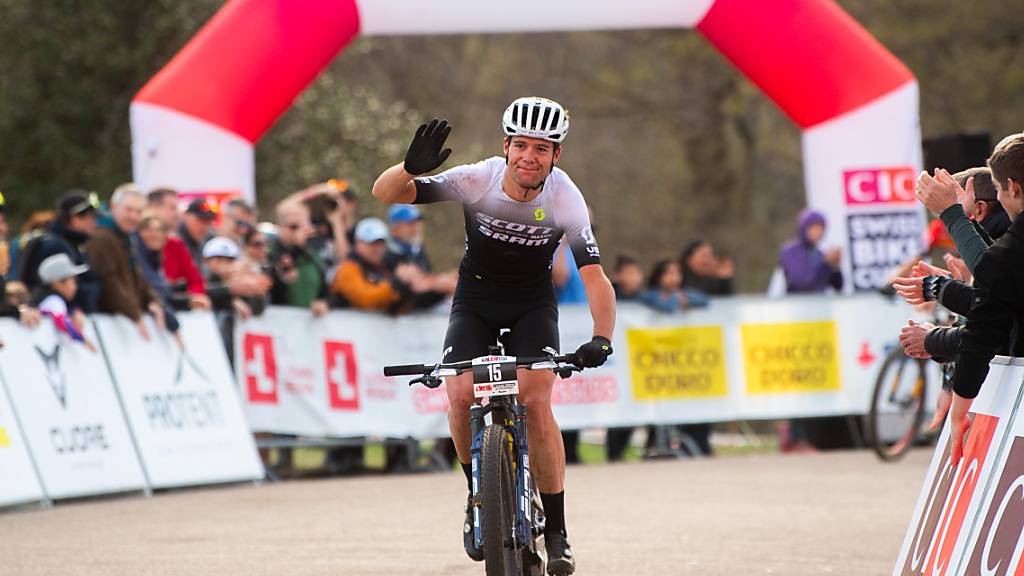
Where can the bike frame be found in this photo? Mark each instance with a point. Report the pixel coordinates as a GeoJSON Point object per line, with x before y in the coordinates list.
{"type": "Point", "coordinates": [501, 407]}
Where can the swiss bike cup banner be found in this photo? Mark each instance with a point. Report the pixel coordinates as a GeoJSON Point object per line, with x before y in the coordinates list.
{"type": "Point", "coordinates": [742, 358]}
{"type": "Point", "coordinates": [181, 402]}
{"type": "Point", "coordinates": [73, 423]}
{"type": "Point", "coordinates": [20, 483]}
{"type": "Point", "coordinates": [944, 531]}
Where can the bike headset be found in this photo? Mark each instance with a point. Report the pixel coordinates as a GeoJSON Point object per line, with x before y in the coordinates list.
{"type": "Point", "coordinates": [536, 117]}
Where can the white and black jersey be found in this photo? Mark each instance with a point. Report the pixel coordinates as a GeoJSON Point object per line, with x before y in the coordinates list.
{"type": "Point", "coordinates": [510, 243]}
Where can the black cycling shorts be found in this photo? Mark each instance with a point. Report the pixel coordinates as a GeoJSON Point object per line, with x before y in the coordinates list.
{"type": "Point", "coordinates": [477, 319]}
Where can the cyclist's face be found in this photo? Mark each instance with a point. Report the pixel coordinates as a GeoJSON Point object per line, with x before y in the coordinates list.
{"type": "Point", "coordinates": [530, 159]}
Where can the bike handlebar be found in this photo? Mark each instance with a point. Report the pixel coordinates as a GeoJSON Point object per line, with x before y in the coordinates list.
{"type": "Point", "coordinates": [407, 370]}
{"type": "Point", "coordinates": [460, 367]}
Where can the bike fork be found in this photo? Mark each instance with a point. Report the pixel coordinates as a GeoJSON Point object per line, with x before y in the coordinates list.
{"type": "Point", "coordinates": [476, 426]}
{"type": "Point", "coordinates": [524, 481]}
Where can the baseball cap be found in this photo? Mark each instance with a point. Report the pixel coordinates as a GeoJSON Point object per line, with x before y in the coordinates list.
{"type": "Point", "coordinates": [59, 267]}
{"type": "Point", "coordinates": [403, 213]}
{"type": "Point", "coordinates": [220, 247]}
{"type": "Point", "coordinates": [371, 230]}
{"type": "Point", "coordinates": [201, 208]}
{"type": "Point", "coordinates": [77, 202]}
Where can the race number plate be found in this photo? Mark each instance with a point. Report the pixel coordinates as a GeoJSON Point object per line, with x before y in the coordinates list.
{"type": "Point", "coordinates": [494, 376]}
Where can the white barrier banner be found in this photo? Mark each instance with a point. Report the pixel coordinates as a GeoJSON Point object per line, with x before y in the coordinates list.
{"type": "Point", "coordinates": [20, 483]}
{"type": "Point", "coordinates": [739, 359]}
{"type": "Point", "coordinates": [73, 423]}
{"type": "Point", "coordinates": [996, 544]}
{"type": "Point", "coordinates": [181, 404]}
{"type": "Point", "coordinates": [952, 497]}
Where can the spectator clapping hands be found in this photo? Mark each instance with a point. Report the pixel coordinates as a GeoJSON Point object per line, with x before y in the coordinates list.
{"type": "Point", "coordinates": [941, 191]}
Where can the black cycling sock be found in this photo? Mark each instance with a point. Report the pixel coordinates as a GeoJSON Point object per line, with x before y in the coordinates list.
{"type": "Point", "coordinates": [554, 512]}
{"type": "Point", "coordinates": [467, 469]}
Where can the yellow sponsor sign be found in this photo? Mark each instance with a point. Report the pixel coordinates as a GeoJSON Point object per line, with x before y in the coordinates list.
{"type": "Point", "coordinates": [791, 358]}
{"type": "Point", "coordinates": [5, 440]}
{"type": "Point", "coordinates": [677, 363]}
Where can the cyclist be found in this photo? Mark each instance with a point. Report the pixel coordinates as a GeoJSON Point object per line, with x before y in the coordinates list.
{"type": "Point", "coordinates": [516, 208]}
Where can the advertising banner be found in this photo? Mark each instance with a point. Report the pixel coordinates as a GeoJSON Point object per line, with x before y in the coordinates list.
{"type": "Point", "coordinates": [996, 544]}
{"type": "Point", "coordinates": [860, 169]}
{"type": "Point", "coordinates": [739, 359]}
{"type": "Point", "coordinates": [20, 482]}
{"type": "Point", "coordinates": [73, 423]}
{"type": "Point", "coordinates": [181, 402]}
{"type": "Point", "coordinates": [952, 496]}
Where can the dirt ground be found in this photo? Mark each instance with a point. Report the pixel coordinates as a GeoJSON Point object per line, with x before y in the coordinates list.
{"type": "Point", "coordinates": [838, 513]}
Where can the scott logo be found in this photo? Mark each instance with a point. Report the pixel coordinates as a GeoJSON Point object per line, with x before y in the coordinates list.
{"type": "Point", "coordinates": [342, 384]}
{"type": "Point", "coordinates": [260, 368]}
{"type": "Point", "coordinates": [880, 186]}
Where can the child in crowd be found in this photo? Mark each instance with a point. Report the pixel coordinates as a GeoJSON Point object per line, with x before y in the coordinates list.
{"type": "Point", "coordinates": [665, 291]}
{"type": "Point", "coordinates": [54, 298]}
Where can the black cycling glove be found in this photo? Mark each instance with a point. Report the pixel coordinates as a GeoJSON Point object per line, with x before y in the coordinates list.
{"type": "Point", "coordinates": [594, 353]}
{"type": "Point", "coordinates": [425, 152]}
{"type": "Point", "coordinates": [931, 287]}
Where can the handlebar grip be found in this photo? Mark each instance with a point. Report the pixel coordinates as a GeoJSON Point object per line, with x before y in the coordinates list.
{"type": "Point", "coordinates": [406, 370]}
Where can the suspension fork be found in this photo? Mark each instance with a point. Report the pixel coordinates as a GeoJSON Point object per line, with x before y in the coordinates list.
{"type": "Point", "coordinates": [524, 481]}
{"type": "Point", "coordinates": [476, 426]}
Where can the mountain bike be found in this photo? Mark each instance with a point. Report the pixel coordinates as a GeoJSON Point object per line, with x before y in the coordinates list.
{"type": "Point", "coordinates": [508, 519]}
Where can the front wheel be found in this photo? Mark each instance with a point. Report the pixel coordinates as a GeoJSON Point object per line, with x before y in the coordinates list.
{"type": "Point", "coordinates": [897, 405]}
{"type": "Point", "coordinates": [498, 504]}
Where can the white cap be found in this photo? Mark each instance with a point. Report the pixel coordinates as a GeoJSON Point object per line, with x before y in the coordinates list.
{"type": "Point", "coordinates": [220, 247]}
{"type": "Point", "coordinates": [59, 267]}
{"type": "Point", "coordinates": [371, 230]}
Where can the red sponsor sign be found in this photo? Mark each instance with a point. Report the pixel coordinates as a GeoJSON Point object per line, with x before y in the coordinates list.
{"type": "Point", "coordinates": [586, 389]}
{"type": "Point", "coordinates": [342, 375]}
{"type": "Point", "coordinates": [880, 186]}
{"type": "Point", "coordinates": [260, 368]}
{"type": "Point", "coordinates": [938, 528]}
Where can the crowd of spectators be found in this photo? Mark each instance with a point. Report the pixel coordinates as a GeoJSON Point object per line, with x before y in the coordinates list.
{"type": "Point", "coordinates": [983, 283]}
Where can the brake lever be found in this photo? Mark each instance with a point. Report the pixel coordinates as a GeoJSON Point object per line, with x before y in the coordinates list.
{"type": "Point", "coordinates": [427, 380]}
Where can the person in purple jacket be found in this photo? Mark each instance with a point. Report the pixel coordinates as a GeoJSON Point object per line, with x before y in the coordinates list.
{"type": "Point", "coordinates": [807, 268]}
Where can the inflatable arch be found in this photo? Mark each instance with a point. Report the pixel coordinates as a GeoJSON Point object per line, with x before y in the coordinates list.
{"type": "Point", "coordinates": [195, 123]}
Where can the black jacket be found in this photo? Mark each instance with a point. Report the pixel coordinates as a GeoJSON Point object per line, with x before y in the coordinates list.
{"type": "Point", "coordinates": [59, 239]}
{"type": "Point", "coordinates": [943, 342]}
{"type": "Point", "coordinates": [997, 316]}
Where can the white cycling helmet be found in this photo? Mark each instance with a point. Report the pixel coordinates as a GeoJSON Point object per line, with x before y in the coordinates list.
{"type": "Point", "coordinates": [536, 117]}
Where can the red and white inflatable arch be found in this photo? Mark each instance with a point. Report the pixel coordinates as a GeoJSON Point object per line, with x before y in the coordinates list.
{"type": "Point", "coordinates": [195, 123]}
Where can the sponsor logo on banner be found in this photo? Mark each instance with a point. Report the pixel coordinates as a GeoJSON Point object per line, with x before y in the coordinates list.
{"type": "Point", "coordinates": [677, 363]}
{"type": "Point", "coordinates": [342, 375]}
{"type": "Point", "coordinates": [949, 497]}
{"type": "Point", "coordinates": [880, 242]}
{"type": "Point", "coordinates": [184, 409]}
{"type": "Point", "coordinates": [1000, 545]}
{"type": "Point", "coordinates": [790, 358]}
{"type": "Point", "coordinates": [880, 186]}
{"type": "Point", "coordinates": [54, 375]}
{"type": "Point", "coordinates": [5, 439]}
{"type": "Point", "coordinates": [586, 389]}
{"type": "Point", "coordinates": [260, 368]}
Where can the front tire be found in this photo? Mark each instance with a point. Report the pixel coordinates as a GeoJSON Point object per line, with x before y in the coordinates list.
{"type": "Point", "coordinates": [498, 504]}
{"type": "Point", "coordinates": [897, 403]}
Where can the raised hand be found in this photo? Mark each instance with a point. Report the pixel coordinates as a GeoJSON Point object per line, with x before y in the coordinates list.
{"type": "Point", "coordinates": [939, 192]}
{"type": "Point", "coordinates": [425, 153]}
